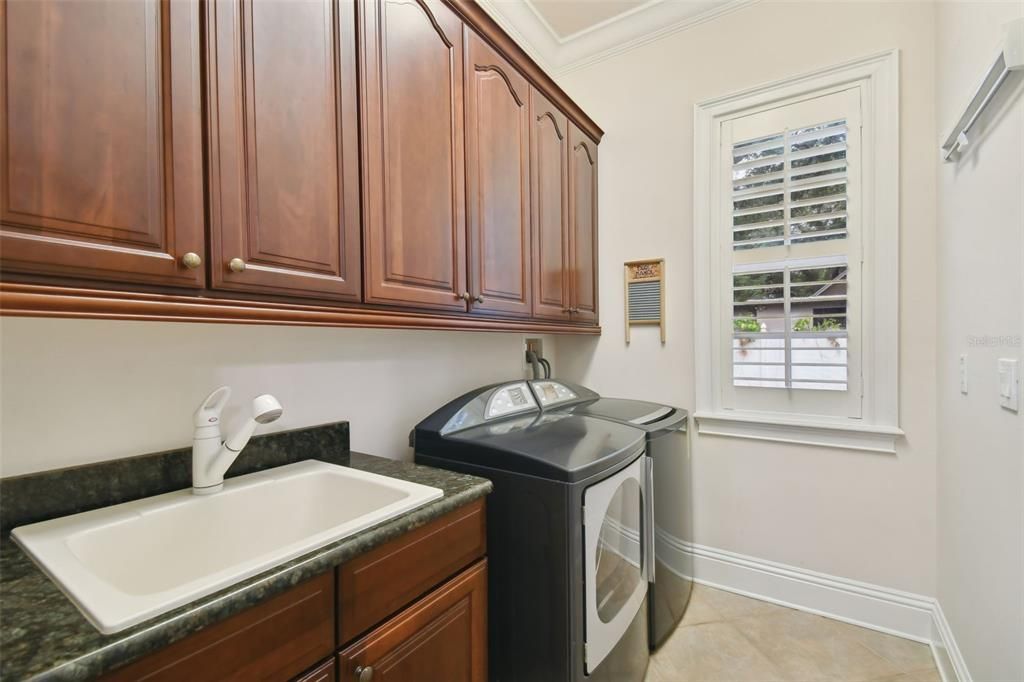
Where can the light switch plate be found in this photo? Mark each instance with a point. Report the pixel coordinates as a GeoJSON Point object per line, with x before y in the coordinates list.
{"type": "Point", "coordinates": [963, 373]}
{"type": "Point", "coordinates": [1009, 385]}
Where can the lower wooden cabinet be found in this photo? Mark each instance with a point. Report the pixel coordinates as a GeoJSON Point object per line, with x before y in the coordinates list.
{"type": "Point", "coordinates": [441, 637]}
{"type": "Point", "coordinates": [275, 640]}
{"type": "Point", "coordinates": [385, 580]}
{"type": "Point", "coordinates": [325, 672]}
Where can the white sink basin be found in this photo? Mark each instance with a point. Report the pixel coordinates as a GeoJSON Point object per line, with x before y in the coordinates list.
{"type": "Point", "coordinates": [124, 564]}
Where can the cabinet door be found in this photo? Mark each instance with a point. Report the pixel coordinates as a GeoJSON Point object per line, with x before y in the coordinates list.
{"type": "Point", "coordinates": [497, 181]}
{"type": "Point", "coordinates": [413, 189]}
{"type": "Point", "coordinates": [325, 672]}
{"type": "Point", "coordinates": [550, 208]}
{"type": "Point", "coordinates": [284, 185]}
{"type": "Point", "coordinates": [583, 225]}
{"type": "Point", "coordinates": [100, 140]}
{"type": "Point", "coordinates": [441, 637]}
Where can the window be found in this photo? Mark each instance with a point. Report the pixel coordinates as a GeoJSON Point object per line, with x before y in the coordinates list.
{"type": "Point", "coordinates": [779, 339]}
{"type": "Point", "coordinates": [796, 225]}
{"type": "Point", "coordinates": [792, 235]}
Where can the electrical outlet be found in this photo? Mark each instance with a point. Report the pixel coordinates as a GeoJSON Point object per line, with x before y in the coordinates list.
{"type": "Point", "coordinates": [536, 345]}
{"type": "Point", "coordinates": [1009, 386]}
{"type": "Point", "coordinates": [963, 373]}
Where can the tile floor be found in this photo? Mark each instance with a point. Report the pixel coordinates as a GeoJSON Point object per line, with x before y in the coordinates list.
{"type": "Point", "coordinates": [725, 637]}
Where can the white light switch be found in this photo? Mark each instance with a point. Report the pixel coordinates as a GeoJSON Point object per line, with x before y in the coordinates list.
{"type": "Point", "coordinates": [1009, 388]}
{"type": "Point", "coordinates": [963, 374]}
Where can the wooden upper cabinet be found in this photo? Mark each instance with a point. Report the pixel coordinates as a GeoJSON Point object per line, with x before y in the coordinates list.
{"type": "Point", "coordinates": [239, 158]}
{"type": "Point", "coordinates": [583, 224]}
{"type": "Point", "coordinates": [284, 183]}
{"type": "Point", "coordinates": [549, 178]}
{"type": "Point", "coordinates": [497, 181]}
{"type": "Point", "coordinates": [414, 223]}
{"type": "Point", "coordinates": [100, 147]}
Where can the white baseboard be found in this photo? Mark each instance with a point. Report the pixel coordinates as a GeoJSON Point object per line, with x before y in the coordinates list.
{"type": "Point", "coordinates": [895, 612]}
{"type": "Point", "coordinates": [879, 608]}
{"type": "Point", "coordinates": [947, 654]}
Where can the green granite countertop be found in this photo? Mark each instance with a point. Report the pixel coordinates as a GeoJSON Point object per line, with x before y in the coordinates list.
{"type": "Point", "coordinates": [43, 636]}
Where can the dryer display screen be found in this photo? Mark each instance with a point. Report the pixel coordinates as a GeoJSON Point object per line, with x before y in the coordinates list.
{"type": "Point", "coordinates": [551, 392]}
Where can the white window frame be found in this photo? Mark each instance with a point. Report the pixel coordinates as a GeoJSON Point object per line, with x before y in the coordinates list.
{"type": "Point", "coordinates": [877, 429]}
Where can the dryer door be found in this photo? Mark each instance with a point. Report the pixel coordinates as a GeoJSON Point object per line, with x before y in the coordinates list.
{"type": "Point", "coordinates": [615, 532]}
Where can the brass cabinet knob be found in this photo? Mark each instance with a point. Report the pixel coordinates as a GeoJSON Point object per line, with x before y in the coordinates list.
{"type": "Point", "coordinates": [479, 299]}
{"type": "Point", "coordinates": [191, 260]}
{"type": "Point", "coordinates": [236, 265]}
{"type": "Point", "coordinates": [464, 296]}
{"type": "Point", "coordinates": [364, 673]}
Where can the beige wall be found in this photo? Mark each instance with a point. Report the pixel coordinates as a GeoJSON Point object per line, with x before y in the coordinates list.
{"type": "Point", "coordinates": [863, 516]}
{"type": "Point", "coordinates": [83, 391]}
{"type": "Point", "coordinates": [981, 294]}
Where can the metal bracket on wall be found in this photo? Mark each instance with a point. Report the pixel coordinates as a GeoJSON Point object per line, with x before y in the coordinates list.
{"type": "Point", "coordinates": [1010, 58]}
{"type": "Point", "coordinates": [645, 294]}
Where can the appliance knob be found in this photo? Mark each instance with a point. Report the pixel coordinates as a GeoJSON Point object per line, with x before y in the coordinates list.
{"type": "Point", "coordinates": [364, 673]}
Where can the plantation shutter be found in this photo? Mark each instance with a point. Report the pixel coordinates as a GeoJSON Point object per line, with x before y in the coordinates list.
{"type": "Point", "coordinates": [791, 187]}
{"type": "Point", "coordinates": [793, 270]}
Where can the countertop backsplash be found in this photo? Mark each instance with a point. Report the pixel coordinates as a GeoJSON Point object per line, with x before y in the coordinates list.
{"type": "Point", "coordinates": [51, 494]}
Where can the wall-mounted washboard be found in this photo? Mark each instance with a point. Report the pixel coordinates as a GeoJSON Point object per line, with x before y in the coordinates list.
{"type": "Point", "coordinates": [645, 294]}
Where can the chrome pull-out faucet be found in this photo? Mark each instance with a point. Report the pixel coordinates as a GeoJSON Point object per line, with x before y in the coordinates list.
{"type": "Point", "coordinates": [211, 455]}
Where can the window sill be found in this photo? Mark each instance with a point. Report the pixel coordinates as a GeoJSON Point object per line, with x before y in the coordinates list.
{"type": "Point", "coordinates": [822, 434]}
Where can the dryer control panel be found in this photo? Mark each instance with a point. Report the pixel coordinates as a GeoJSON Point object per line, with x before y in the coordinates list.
{"type": "Point", "coordinates": [550, 393]}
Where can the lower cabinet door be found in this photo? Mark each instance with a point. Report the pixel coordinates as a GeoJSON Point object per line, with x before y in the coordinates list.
{"type": "Point", "coordinates": [443, 636]}
{"type": "Point", "coordinates": [325, 672]}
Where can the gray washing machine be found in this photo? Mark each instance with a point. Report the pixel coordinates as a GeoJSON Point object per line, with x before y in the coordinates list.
{"type": "Point", "coordinates": [672, 577]}
{"type": "Point", "coordinates": [569, 528]}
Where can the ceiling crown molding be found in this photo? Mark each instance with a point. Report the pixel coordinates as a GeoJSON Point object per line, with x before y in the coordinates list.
{"type": "Point", "coordinates": [639, 26]}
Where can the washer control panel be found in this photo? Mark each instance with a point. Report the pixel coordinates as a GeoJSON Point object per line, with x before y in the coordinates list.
{"type": "Point", "coordinates": [510, 399]}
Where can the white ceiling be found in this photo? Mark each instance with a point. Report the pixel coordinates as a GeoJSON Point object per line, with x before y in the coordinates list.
{"type": "Point", "coordinates": [562, 35]}
{"type": "Point", "coordinates": [568, 17]}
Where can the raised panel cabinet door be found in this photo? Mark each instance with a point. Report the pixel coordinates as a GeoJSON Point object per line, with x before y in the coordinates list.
{"type": "Point", "coordinates": [497, 181]}
{"type": "Point", "coordinates": [101, 141]}
{"type": "Point", "coordinates": [549, 178]}
{"type": "Point", "coordinates": [325, 672]}
{"type": "Point", "coordinates": [583, 224]}
{"type": "Point", "coordinates": [443, 636]}
{"type": "Point", "coordinates": [284, 177]}
{"type": "Point", "coordinates": [414, 227]}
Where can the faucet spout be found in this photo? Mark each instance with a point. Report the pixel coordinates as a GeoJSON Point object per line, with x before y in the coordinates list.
{"type": "Point", "coordinates": [211, 457]}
